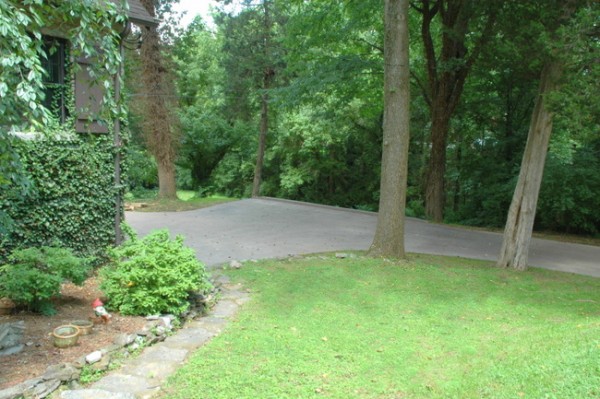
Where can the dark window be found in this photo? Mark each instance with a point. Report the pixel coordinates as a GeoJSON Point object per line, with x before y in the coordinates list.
{"type": "Point", "coordinates": [55, 87]}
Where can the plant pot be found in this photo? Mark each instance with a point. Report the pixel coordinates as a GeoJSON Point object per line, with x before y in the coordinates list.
{"type": "Point", "coordinates": [85, 326]}
{"type": "Point", "coordinates": [65, 336]}
{"type": "Point", "coordinates": [6, 306]}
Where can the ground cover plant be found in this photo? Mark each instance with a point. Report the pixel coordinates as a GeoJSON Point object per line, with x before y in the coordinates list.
{"type": "Point", "coordinates": [431, 327]}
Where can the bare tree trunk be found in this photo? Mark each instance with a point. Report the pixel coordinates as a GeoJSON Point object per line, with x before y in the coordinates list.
{"type": "Point", "coordinates": [389, 234]}
{"type": "Point", "coordinates": [262, 144]}
{"type": "Point", "coordinates": [159, 125]}
{"type": "Point", "coordinates": [521, 214]}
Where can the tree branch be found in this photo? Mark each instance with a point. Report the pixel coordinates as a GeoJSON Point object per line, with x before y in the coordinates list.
{"type": "Point", "coordinates": [422, 87]}
{"type": "Point", "coordinates": [428, 14]}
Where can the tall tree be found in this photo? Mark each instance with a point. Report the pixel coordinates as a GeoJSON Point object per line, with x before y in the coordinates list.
{"type": "Point", "coordinates": [252, 61]}
{"type": "Point", "coordinates": [159, 122]}
{"type": "Point", "coordinates": [521, 215]}
{"type": "Point", "coordinates": [446, 75]}
{"type": "Point", "coordinates": [267, 79]}
{"type": "Point", "coordinates": [389, 234]}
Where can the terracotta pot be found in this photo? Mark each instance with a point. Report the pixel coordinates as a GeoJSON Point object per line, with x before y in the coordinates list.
{"type": "Point", "coordinates": [6, 306]}
{"type": "Point", "coordinates": [65, 336]}
{"type": "Point", "coordinates": [85, 326]}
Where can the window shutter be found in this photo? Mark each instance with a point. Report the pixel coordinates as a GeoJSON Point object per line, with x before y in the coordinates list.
{"type": "Point", "coordinates": [88, 101]}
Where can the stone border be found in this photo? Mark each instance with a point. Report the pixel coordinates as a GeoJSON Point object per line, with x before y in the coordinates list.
{"type": "Point", "coordinates": [141, 377]}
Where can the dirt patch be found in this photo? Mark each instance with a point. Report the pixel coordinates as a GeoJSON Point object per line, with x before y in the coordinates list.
{"type": "Point", "coordinates": [39, 351]}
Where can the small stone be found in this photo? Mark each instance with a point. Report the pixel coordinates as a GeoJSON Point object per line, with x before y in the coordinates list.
{"type": "Point", "coordinates": [30, 343]}
{"type": "Point", "coordinates": [12, 350]}
{"type": "Point", "coordinates": [341, 255]}
{"type": "Point", "coordinates": [123, 340]}
{"type": "Point", "coordinates": [93, 357]}
{"type": "Point", "coordinates": [80, 362]}
{"type": "Point", "coordinates": [42, 389]}
{"type": "Point", "coordinates": [234, 264]}
{"type": "Point", "coordinates": [167, 322]}
{"type": "Point", "coordinates": [110, 349]}
{"type": "Point", "coordinates": [160, 330]}
{"type": "Point", "coordinates": [102, 365]}
{"type": "Point", "coordinates": [153, 317]}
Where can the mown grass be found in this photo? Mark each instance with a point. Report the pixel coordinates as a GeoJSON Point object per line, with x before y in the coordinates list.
{"type": "Point", "coordinates": [431, 327]}
{"type": "Point", "coordinates": [186, 201]}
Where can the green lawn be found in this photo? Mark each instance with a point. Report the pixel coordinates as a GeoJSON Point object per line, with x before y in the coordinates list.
{"type": "Point", "coordinates": [432, 327]}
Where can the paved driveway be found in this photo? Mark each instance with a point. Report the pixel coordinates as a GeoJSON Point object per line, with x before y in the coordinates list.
{"type": "Point", "coordinates": [270, 228]}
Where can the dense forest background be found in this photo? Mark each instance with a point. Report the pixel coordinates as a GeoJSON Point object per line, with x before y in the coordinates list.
{"type": "Point", "coordinates": [305, 81]}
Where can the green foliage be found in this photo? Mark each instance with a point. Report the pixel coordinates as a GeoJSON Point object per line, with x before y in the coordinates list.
{"type": "Point", "coordinates": [152, 275]}
{"type": "Point", "coordinates": [90, 26]}
{"type": "Point", "coordinates": [72, 196]}
{"type": "Point", "coordinates": [324, 142]}
{"type": "Point", "coordinates": [142, 172]}
{"type": "Point", "coordinates": [569, 199]}
{"type": "Point", "coordinates": [12, 176]}
{"type": "Point", "coordinates": [33, 276]}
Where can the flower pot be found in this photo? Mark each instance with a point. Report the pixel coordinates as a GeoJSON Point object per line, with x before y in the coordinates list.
{"type": "Point", "coordinates": [6, 306]}
{"type": "Point", "coordinates": [65, 336]}
{"type": "Point", "coordinates": [85, 326]}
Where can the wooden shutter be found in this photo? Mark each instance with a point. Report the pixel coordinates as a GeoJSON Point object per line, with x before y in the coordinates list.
{"type": "Point", "coordinates": [88, 101]}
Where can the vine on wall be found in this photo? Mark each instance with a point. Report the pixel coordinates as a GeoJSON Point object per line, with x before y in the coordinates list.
{"type": "Point", "coordinates": [72, 201]}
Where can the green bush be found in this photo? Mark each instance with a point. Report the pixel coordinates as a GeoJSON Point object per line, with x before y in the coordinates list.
{"type": "Point", "coordinates": [152, 275]}
{"type": "Point", "coordinates": [33, 276]}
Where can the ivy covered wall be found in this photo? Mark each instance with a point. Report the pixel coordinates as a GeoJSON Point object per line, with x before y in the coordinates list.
{"type": "Point", "coordinates": [72, 199]}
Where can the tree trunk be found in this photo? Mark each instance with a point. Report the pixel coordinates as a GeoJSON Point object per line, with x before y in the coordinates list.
{"type": "Point", "coordinates": [159, 124]}
{"type": "Point", "coordinates": [446, 76]}
{"type": "Point", "coordinates": [435, 190]}
{"type": "Point", "coordinates": [521, 214]}
{"type": "Point", "coordinates": [389, 234]}
{"type": "Point", "coordinates": [167, 181]}
{"type": "Point", "coordinates": [262, 143]}
{"type": "Point", "coordinates": [268, 75]}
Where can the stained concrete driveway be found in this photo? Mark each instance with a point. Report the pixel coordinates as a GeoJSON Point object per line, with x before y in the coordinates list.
{"type": "Point", "coordinates": [269, 228]}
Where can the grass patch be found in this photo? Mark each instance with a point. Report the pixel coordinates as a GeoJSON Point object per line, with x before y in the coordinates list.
{"type": "Point", "coordinates": [431, 327]}
{"type": "Point", "coordinates": [186, 201]}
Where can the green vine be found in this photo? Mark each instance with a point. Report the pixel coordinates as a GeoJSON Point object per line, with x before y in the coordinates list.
{"type": "Point", "coordinates": [72, 198]}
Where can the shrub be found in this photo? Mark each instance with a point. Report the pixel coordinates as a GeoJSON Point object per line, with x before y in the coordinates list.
{"type": "Point", "coordinates": [152, 275]}
{"type": "Point", "coordinates": [33, 276]}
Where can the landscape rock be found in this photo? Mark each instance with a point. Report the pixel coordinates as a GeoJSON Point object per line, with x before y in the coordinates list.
{"type": "Point", "coordinates": [102, 365]}
{"type": "Point", "coordinates": [93, 357]}
{"type": "Point", "coordinates": [234, 264]}
{"type": "Point", "coordinates": [42, 389]}
{"type": "Point", "coordinates": [124, 339]}
{"type": "Point", "coordinates": [95, 394]}
{"type": "Point", "coordinates": [10, 337]}
{"type": "Point", "coordinates": [11, 351]}
{"type": "Point", "coordinates": [63, 372]}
